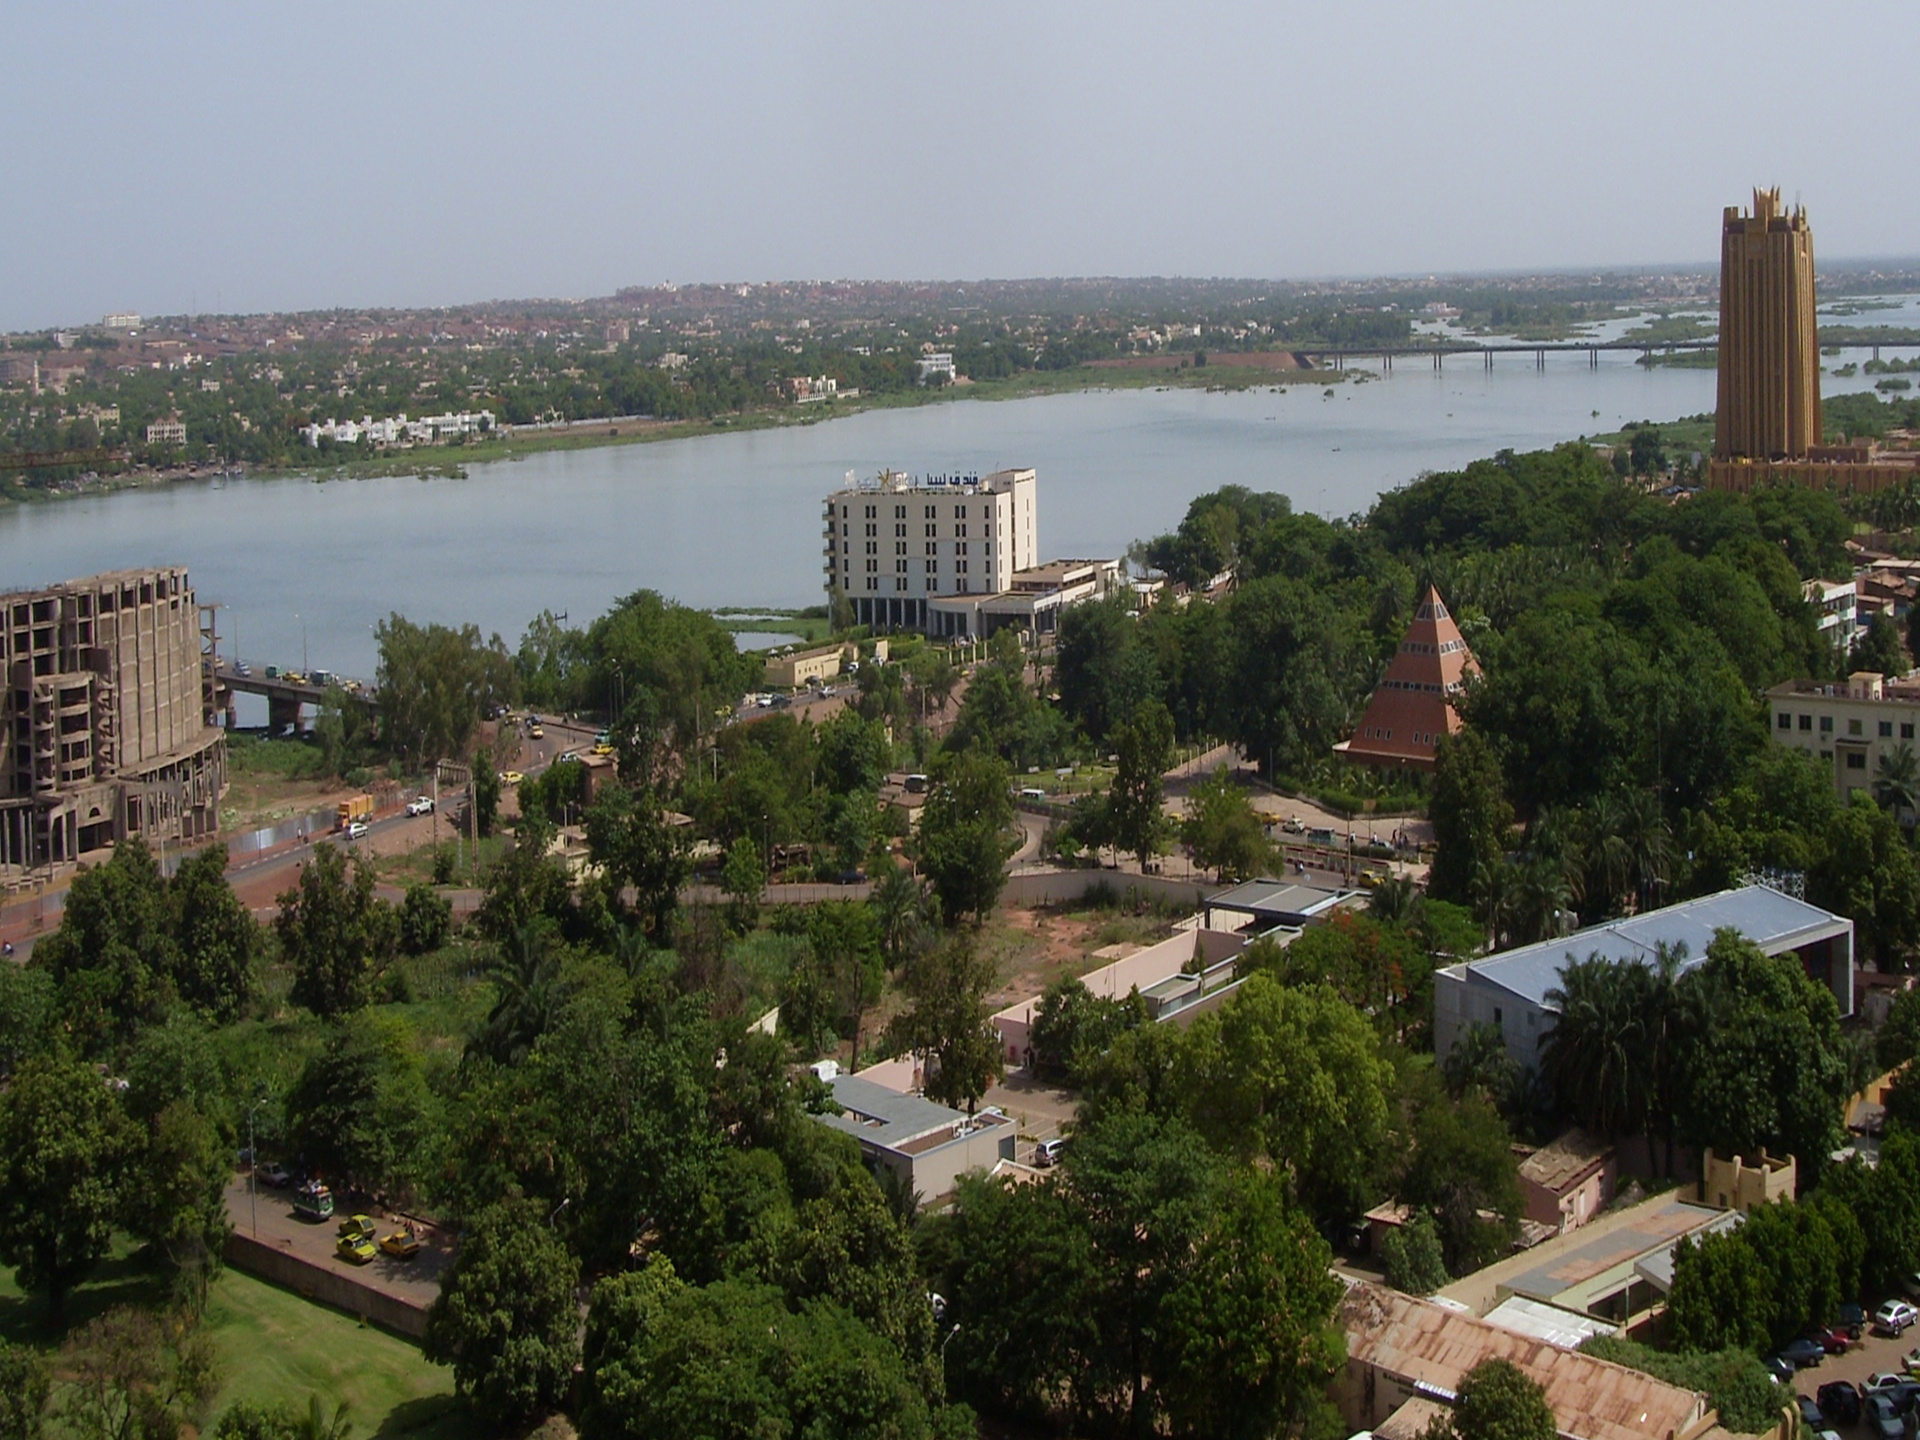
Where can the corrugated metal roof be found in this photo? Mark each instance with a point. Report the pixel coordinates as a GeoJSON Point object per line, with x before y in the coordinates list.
{"type": "Point", "coordinates": [1770, 919]}
{"type": "Point", "coordinates": [885, 1116]}
{"type": "Point", "coordinates": [1591, 1399]}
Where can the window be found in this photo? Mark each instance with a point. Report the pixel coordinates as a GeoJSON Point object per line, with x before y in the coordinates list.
{"type": "Point", "coordinates": [899, 547]}
{"type": "Point", "coordinates": [933, 531]}
{"type": "Point", "coordinates": [1853, 727]}
{"type": "Point", "coordinates": [1806, 722]}
{"type": "Point", "coordinates": [873, 529]}
{"type": "Point", "coordinates": [899, 512]}
{"type": "Point", "coordinates": [959, 512]}
{"type": "Point", "coordinates": [1886, 729]}
{"type": "Point", "coordinates": [870, 514]}
{"type": "Point", "coordinates": [899, 529]}
{"type": "Point", "coordinates": [1496, 1014]}
{"type": "Point", "coordinates": [932, 510]}
{"type": "Point", "coordinates": [1786, 721]}
{"type": "Point", "coordinates": [1826, 724]}
{"type": "Point", "coordinates": [1856, 760]}
{"type": "Point", "coordinates": [1906, 730]}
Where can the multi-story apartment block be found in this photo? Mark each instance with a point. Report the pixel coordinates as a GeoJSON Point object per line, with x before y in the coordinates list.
{"type": "Point", "coordinates": [895, 546]}
{"type": "Point", "coordinates": [1849, 726]}
{"type": "Point", "coordinates": [105, 718]}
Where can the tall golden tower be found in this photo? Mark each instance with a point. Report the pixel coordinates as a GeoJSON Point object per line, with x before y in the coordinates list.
{"type": "Point", "coordinates": [1769, 351]}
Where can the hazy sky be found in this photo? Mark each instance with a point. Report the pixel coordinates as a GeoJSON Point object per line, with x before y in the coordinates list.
{"type": "Point", "coordinates": [194, 155]}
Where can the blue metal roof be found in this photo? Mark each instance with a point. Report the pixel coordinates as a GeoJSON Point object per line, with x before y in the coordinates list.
{"type": "Point", "coordinates": [1773, 921]}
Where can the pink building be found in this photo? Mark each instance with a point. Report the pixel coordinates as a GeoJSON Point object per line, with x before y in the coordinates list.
{"type": "Point", "coordinates": [1567, 1183]}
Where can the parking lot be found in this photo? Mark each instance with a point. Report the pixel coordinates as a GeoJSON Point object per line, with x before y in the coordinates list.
{"type": "Point", "coordinates": [414, 1282]}
{"type": "Point", "coordinates": [1874, 1352]}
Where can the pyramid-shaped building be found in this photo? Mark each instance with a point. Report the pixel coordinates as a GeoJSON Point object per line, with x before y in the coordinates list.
{"type": "Point", "coordinates": [1412, 707]}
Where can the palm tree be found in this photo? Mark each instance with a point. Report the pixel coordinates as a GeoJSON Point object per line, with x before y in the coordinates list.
{"type": "Point", "coordinates": [317, 1425]}
{"type": "Point", "coordinates": [1495, 895]}
{"type": "Point", "coordinates": [1542, 895]}
{"type": "Point", "coordinates": [899, 902]}
{"type": "Point", "coordinates": [1395, 901]}
{"type": "Point", "coordinates": [527, 980]}
{"type": "Point", "coordinates": [1597, 1058]}
{"type": "Point", "coordinates": [1649, 843]}
{"type": "Point", "coordinates": [1896, 783]}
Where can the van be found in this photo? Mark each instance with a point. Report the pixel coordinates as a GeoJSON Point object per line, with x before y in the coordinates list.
{"type": "Point", "coordinates": [1032, 793]}
{"type": "Point", "coordinates": [1047, 1153]}
{"type": "Point", "coordinates": [915, 785]}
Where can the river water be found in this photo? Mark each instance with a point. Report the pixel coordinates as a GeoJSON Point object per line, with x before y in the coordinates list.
{"type": "Point", "coordinates": [306, 568]}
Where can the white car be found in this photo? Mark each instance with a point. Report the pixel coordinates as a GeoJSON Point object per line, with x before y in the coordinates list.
{"type": "Point", "coordinates": [357, 828]}
{"type": "Point", "coordinates": [1895, 1316]}
{"type": "Point", "coordinates": [420, 805]}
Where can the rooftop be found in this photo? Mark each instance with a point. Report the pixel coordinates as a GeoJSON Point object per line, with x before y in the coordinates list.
{"type": "Point", "coordinates": [1567, 1161]}
{"type": "Point", "coordinates": [1773, 921]}
{"type": "Point", "coordinates": [899, 1122]}
{"type": "Point", "coordinates": [1435, 1347]}
{"type": "Point", "coordinates": [1279, 901]}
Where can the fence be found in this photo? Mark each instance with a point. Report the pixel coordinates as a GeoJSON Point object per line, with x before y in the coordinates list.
{"type": "Point", "coordinates": [328, 1286]}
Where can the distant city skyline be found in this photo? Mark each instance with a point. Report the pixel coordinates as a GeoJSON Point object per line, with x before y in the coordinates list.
{"type": "Point", "coordinates": [209, 158]}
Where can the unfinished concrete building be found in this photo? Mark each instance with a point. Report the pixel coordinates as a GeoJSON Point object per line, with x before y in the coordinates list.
{"type": "Point", "coordinates": [106, 719]}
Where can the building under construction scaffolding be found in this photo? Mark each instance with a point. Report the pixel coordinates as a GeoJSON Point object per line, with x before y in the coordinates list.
{"type": "Point", "coordinates": [107, 719]}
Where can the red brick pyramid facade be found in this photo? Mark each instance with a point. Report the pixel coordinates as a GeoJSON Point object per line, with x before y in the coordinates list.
{"type": "Point", "coordinates": [1413, 705]}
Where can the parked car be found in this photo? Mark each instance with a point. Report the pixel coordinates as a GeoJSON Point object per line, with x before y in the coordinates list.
{"type": "Point", "coordinates": [355, 1249]}
{"type": "Point", "coordinates": [1882, 1380]}
{"type": "Point", "coordinates": [401, 1245]}
{"type": "Point", "coordinates": [1895, 1316]}
{"type": "Point", "coordinates": [1047, 1153]}
{"type": "Point", "coordinates": [355, 829]}
{"type": "Point", "coordinates": [511, 777]}
{"type": "Point", "coordinates": [420, 805]}
{"type": "Point", "coordinates": [1831, 1339]}
{"type": "Point", "coordinates": [1839, 1402]}
{"type": "Point", "coordinates": [275, 1174]}
{"type": "Point", "coordinates": [1810, 1413]}
{"type": "Point", "coordinates": [1804, 1353]}
{"type": "Point", "coordinates": [1883, 1421]}
{"type": "Point", "coordinates": [1853, 1320]}
{"type": "Point", "coordinates": [313, 1201]}
{"type": "Point", "coordinates": [356, 1227]}
{"type": "Point", "coordinates": [1779, 1367]}
{"type": "Point", "coordinates": [1293, 826]}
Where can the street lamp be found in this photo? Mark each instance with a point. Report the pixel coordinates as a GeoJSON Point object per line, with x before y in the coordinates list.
{"type": "Point", "coordinates": [303, 640]}
{"type": "Point", "coordinates": [253, 1165]}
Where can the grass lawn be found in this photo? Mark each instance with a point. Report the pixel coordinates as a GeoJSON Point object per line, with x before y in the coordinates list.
{"type": "Point", "coordinates": [273, 1348]}
{"type": "Point", "coordinates": [276, 1348]}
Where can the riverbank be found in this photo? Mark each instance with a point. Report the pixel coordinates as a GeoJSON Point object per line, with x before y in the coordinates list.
{"type": "Point", "coordinates": [450, 462]}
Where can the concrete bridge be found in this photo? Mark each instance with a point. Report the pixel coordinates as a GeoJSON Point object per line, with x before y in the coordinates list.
{"type": "Point", "coordinates": [286, 697]}
{"type": "Point", "coordinates": [1439, 350]}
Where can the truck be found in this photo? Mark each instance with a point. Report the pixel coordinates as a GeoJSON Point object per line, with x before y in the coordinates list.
{"type": "Point", "coordinates": [354, 807]}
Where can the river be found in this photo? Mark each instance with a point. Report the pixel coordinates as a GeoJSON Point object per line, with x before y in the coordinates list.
{"type": "Point", "coordinates": [306, 568]}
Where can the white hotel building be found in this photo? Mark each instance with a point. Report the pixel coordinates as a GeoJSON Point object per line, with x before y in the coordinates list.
{"type": "Point", "coordinates": [895, 545]}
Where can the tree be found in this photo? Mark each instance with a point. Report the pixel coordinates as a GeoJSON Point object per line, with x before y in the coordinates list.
{"type": "Point", "coordinates": [900, 907]}
{"type": "Point", "coordinates": [528, 994]}
{"type": "Point", "coordinates": [359, 1108]}
{"type": "Point", "coordinates": [426, 920]}
{"type": "Point", "coordinates": [1471, 816]}
{"type": "Point", "coordinates": [628, 834]}
{"type": "Point", "coordinates": [435, 685]}
{"type": "Point", "coordinates": [1722, 1296]}
{"type": "Point", "coordinates": [946, 1022]}
{"type": "Point", "coordinates": [828, 992]}
{"type": "Point", "coordinates": [178, 1202]}
{"type": "Point", "coordinates": [1294, 1074]}
{"type": "Point", "coordinates": [1497, 1401]}
{"type": "Point", "coordinates": [65, 1151]}
{"type": "Point", "coordinates": [1868, 872]}
{"type": "Point", "coordinates": [1896, 782]}
{"type": "Point", "coordinates": [1145, 747]}
{"type": "Point", "coordinates": [731, 1360]}
{"type": "Point", "coordinates": [486, 794]}
{"type": "Point", "coordinates": [1898, 1038]}
{"type": "Point", "coordinates": [1771, 1069]}
{"type": "Point", "coordinates": [743, 879]}
{"type": "Point", "coordinates": [219, 940]}
{"type": "Point", "coordinates": [24, 1384]}
{"type": "Point", "coordinates": [1412, 1258]}
{"type": "Point", "coordinates": [135, 1376]}
{"type": "Point", "coordinates": [506, 1320]}
{"type": "Point", "coordinates": [1246, 1344]}
{"type": "Point", "coordinates": [335, 933]}
{"type": "Point", "coordinates": [1457, 1167]}
{"type": "Point", "coordinates": [1222, 830]}
{"type": "Point", "coordinates": [1073, 1027]}
{"type": "Point", "coordinates": [1878, 649]}
{"type": "Point", "coordinates": [1600, 1056]}
{"type": "Point", "coordinates": [964, 840]}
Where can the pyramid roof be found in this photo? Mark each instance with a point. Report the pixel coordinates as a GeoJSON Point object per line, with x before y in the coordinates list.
{"type": "Point", "coordinates": [1413, 705]}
